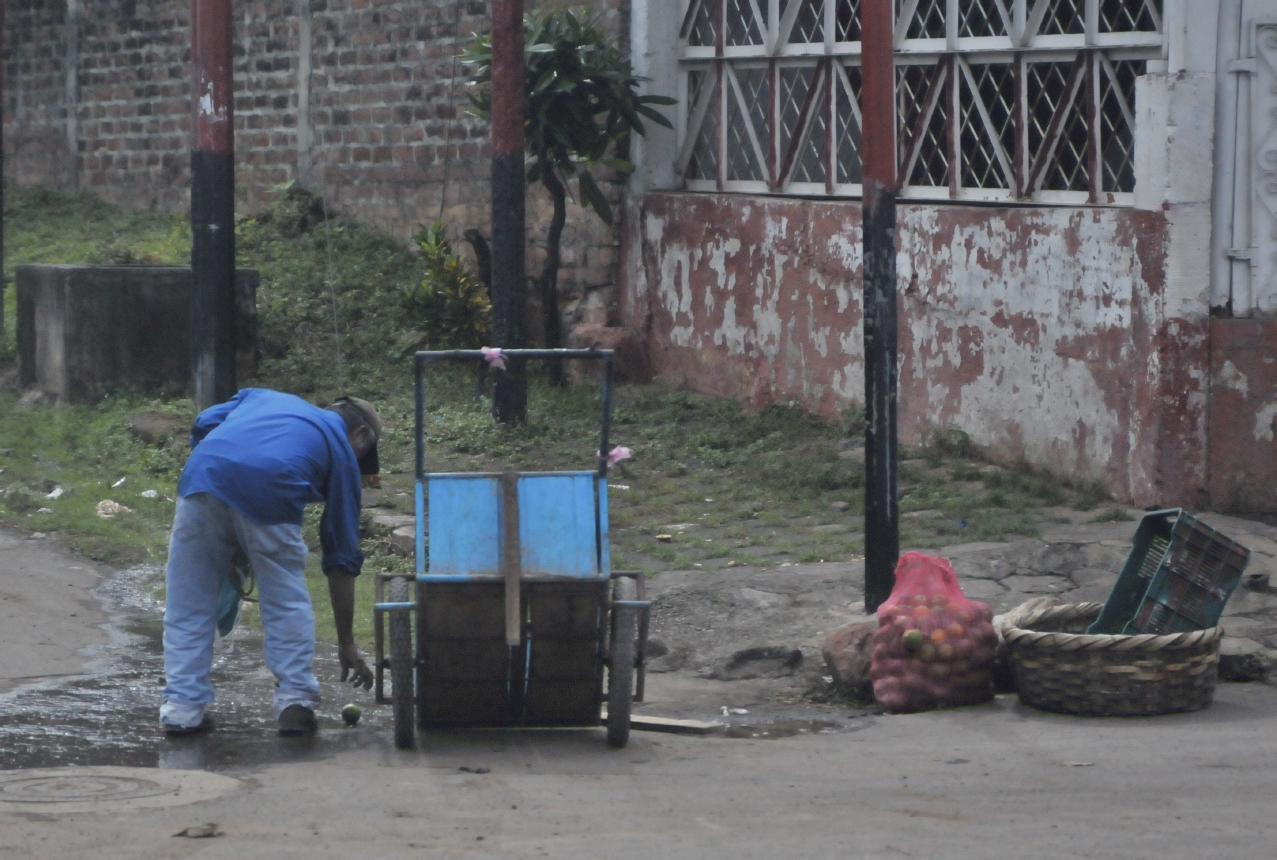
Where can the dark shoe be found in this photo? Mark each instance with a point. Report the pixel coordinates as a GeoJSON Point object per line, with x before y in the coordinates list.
{"type": "Point", "coordinates": [172, 731]}
{"type": "Point", "coordinates": [297, 720]}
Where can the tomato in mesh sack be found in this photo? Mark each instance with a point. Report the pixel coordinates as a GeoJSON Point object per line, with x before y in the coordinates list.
{"type": "Point", "coordinates": [933, 647]}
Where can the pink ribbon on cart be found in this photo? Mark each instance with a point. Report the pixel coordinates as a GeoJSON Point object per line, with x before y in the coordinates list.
{"type": "Point", "coordinates": [619, 453]}
{"type": "Point", "coordinates": [493, 356]}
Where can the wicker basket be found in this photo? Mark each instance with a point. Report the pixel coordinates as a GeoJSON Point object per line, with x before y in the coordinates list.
{"type": "Point", "coordinates": [1058, 667]}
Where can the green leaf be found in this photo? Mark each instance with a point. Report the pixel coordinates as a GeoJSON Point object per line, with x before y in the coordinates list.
{"type": "Point", "coordinates": [591, 194]}
{"type": "Point", "coordinates": [655, 117]}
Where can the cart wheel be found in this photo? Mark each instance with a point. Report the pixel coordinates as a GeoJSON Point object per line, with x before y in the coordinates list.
{"type": "Point", "coordinates": [401, 666]}
{"type": "Point", "coordinates": [620, 674]}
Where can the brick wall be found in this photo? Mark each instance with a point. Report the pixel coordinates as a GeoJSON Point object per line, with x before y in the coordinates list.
{"type": "Point", "coordinates": [35, 138]}
{"type": "Point", "coordinates": [373, 117]}
{"type": "Point", "coordinates": [133, 104]}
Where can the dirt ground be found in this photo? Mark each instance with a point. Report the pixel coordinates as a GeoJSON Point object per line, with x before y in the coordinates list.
{"type": "Point", "coordinates": [740, 645]}
{"type": "Point", "coordinates": [750, 638]}
{"type": "Point", "coordinates": [50, 622]}
{"type": "Point", "coordinates": [796, 771]}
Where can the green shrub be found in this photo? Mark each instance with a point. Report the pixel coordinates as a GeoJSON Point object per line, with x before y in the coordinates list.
{"type": "Point", "coordinates": [450, 305]}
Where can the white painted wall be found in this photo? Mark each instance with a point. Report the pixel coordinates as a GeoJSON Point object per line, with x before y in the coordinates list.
{"type": "Point", "coordinates": [654, 26]}
{"type": "Point", "coordinates": [1174, 140]}
{"type": "Point", "coordinates": [1244, 206]}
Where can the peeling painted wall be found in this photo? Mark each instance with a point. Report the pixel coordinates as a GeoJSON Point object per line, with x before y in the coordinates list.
{"type": "Point", "coordinates": [1042, 332]}
{"type": "Point", "coordinates": [1243, 414]}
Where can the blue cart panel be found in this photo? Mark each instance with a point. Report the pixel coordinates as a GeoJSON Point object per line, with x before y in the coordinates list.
{"type": "Point", "coordinates": [563, 529]}
{"type": "Point", "coordinates": [465, 525]}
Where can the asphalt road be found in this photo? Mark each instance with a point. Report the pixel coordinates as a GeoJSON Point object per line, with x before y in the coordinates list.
{"type": "Point", "coordinates": [991, 782]}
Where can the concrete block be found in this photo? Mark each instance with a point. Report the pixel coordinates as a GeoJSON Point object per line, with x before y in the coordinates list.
{"type": "Point", "coordinates": [393, 522]}
{"type": "Point", "coordinates": [86, 330]}
{"type": "Point", "coordinates": [403, 541]}
{"type": "Point", "coordinates": [1243, 660]}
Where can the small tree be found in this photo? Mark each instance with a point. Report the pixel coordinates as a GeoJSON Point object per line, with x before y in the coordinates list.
{"type": "Point", "coordinates": [582, 100]}
{"type": "Point", "coordinates": [449, 304]}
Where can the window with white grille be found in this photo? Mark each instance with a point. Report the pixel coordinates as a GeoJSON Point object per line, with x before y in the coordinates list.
{"type": "Point", "coordinates": [995, 99]}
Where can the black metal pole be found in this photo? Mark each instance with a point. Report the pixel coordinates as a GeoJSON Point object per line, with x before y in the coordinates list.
{"type": "Point", "coordinates": [212, 205]}
{"type": "Point", "coordinates": [419, 419]}
{"type": "Point", "coordinates": [509, 282]}
{"type": "Point", "coordinates": [882, 526]}
{"type": "Point", "coordinates": [606, 429]}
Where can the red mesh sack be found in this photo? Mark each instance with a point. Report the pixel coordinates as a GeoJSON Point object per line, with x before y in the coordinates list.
{"type": "Point", "coordinates": [933, 647]}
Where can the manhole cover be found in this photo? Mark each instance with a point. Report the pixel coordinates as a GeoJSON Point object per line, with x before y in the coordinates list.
{"type": "Point", "coordinates": [73, 787]}
{"type": "Point", "coordinates": [107, 789]}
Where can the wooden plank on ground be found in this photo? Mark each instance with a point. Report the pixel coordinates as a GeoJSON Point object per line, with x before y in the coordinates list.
{"type": "Point", "coordinates": [671, 726]}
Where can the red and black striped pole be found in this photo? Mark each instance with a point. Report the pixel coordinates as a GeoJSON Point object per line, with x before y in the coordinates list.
{"type": "Point", "coordinates": [2, 281]}
{"type": "Point", "coordinates": [212, 204]}
{"type": "Point", "coordinates": [882, 525]}
{"type": "Point", "coordinates": [509, 284]}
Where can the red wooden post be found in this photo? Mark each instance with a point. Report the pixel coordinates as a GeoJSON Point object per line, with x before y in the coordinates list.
{"type": "Point", "coordinates": [882, 526]}
{"type": "Point", "coordinates": [212, 204]}
{"type": "Point", "coordinates": [509, 284]}
{"type": "Point", "coordinates": [2, 281]}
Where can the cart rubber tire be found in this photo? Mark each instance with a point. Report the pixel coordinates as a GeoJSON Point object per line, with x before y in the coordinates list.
{"type": "Point", "coordinates": [620, 674]}
{"type": "Point", "coordinates": [401, 667]}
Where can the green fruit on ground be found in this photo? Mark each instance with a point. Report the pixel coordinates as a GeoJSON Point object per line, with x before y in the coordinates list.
{"type": "Point", "coordinates": [351, 713]}
{"type": "Point", "coordinates": [913, 640]}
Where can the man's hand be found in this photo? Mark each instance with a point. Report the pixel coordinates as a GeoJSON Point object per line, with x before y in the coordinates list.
{"type": "Point", "coordinates": [341, 589]}
{"type": "Point", "coordinates": [354, 666]}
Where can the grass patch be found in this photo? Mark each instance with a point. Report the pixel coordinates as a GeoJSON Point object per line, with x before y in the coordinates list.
{"type": "Point", "coordinates": [56, 465]}
{"type": "Point", "coordinates": [1112, 515]}
{"type": "Point", "coordinates": [45, 226]}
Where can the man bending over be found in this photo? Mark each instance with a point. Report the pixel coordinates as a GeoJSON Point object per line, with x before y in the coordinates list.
{"type": "Point", "coordinates": [256, 461]}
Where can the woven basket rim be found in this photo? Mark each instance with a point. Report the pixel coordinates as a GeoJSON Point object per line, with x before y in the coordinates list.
{"type": "Point", "coordinates": [1018, 632]}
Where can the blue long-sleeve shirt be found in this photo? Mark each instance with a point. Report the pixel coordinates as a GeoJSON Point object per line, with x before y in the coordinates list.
{"type": "Point", "coordinates": [268, 454]}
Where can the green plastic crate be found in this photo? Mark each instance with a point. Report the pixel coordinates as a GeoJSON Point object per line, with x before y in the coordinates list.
{"type": "Point", "coordinates": [1178, 577]}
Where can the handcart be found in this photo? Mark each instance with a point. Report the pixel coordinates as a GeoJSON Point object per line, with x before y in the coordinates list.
{"type": "Point", "coordinates": [518, 612]}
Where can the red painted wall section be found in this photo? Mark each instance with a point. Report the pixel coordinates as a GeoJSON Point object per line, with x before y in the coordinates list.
{"type": "Point", "coordinates": [744, 296]}
{"type": "Point", "coordinates": [1042, 332]}
{"type": "Point", "coordinates": [1243, 415]}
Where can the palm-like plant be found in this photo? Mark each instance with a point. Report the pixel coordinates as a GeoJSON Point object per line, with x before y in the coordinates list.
{"type": "Point", "coordinates": [582, 100]}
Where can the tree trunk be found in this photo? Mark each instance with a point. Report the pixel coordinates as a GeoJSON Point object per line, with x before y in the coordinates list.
{"type": "Point", "coordinates": [553, 324]}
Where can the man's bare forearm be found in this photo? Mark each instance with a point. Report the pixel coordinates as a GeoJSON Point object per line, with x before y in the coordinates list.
{"type": "Point", "coordinates": [341, 590]}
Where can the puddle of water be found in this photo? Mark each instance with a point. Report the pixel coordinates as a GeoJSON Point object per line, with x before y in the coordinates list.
{"type": "Point", "coordinates": [111, 717]}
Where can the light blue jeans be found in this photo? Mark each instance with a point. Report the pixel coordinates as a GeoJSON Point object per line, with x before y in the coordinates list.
{"type": "Point", "coordinates": [206, 534]}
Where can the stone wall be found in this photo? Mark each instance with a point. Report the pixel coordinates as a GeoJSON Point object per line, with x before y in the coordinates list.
{"type": "Point", "coordinates": [361, 100]}
{"type": "Point", "coordinates": [35, 112]}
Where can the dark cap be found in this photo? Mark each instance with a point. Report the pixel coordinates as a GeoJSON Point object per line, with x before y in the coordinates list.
{"type": "Point", "coordinates": [369, 463]}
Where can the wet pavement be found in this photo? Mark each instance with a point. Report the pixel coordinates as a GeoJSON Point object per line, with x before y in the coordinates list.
{"type": "Point", "coordinates": [994, 782]}
{"type": "Point", "coordinates": [109, 715]}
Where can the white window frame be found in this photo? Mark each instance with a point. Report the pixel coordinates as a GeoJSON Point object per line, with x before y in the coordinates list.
{"type": "Point", "coordinates": [1091, 58]}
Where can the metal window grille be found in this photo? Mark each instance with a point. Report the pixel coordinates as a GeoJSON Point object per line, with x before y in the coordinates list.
{"type": "Point", "coordinates": [1027, 100]}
